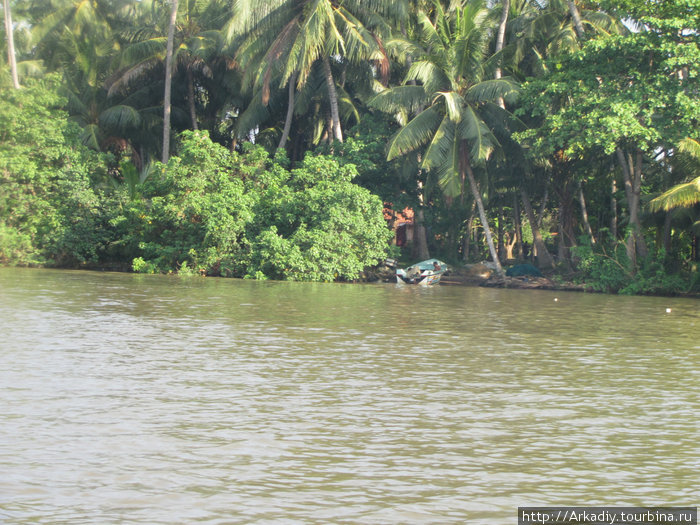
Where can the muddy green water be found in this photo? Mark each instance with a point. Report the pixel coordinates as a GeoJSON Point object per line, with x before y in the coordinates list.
{"type": "Point", "coordinates": [165, 400]}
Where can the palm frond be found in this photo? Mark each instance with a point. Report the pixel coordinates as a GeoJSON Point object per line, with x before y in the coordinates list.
{"type": "Point", "coordinates": [348, 109]}
{"type": "Point", "coordinates": [690, 146]}
{"type": "Point", "coordinates": [430, 75]}
{"type": "Point", "coordinates": [414, 134]}
{"type": "Point", "coordinates": [120, 117]}
{"type": "Point", "coordinates": [446, 165]}
{"type": "Point", "coordinates": [250, 14]}
{"type": "Point", "coordinates": [440, 146]}
{"type": "Point", "coordinates": [401, 48]}
{"type": "Point", "coordinates": [454, 103]}
{"type": "Point", "coordinates": [490, 90]}
{"type": "Point", "coordinates": [429, 33]}
{"type": "Point", "coordinates": [359, 43]}
{"type": "Point", "coordinates": [478, 135]}
{"type": "Point", "coordinates": [31, 68]}
{"type": "Point", "coordinates": [682, 195]}
{"type": "Point", "coordinates": [145, 50]}
{"type": "Point", "coordinates": [255, 114]}
{"type": "Point", "coordinates": [90, 136]}
{"type": "Point", "coordinates": [122, 79]}
{"type": "Point", "coordinates": [409, 98]}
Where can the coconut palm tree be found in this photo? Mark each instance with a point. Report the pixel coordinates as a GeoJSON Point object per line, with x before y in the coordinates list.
{"type": "Point", "coordinates": [168, 82]}
{"type": "Point", "coordinates": [196, 42]}
{"type": "Point", "coordinates": [194, 45]}
{"type": "Point", "coordinates": [285, 39]}
{"type": "Point", "coordinates": [11, 58]}
{"type": "Point", "coordinates": [537, 31]}
{"type": "Point", "coordinates": [459, 104]}
{"type": "Point", "coordinates": [78, 39]}
{"type": "Point", "coordinates": [687, 194]}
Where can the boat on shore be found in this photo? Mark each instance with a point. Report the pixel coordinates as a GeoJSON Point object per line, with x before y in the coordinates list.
{"type": "Point", "coordinates": [425, 273]}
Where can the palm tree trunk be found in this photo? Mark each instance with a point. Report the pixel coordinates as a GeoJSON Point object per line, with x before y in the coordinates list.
{"type": "Point", "coordinates": [576, 17]}
{"type": "Point", "coordinates": [501, 243]}
{"type": "Point", "coordinates": [290, 111]}
{"type": "Point", "coordinates": [333, 98]}
{"type": "Point", "coordinates": [468, 236]}
{"type": "Point", "coordinates": [420, 237]}
{"type": "Point", "coordinates": [544, 259]}
{"type": "Point", "coordinates": [518, 228]}
{"type": "Point", "coordinates": [500, 42]}
{"type": "Point", "coordinates": [482, 213]}
{"type": "Point", "coordinates": [11, 59]}
{"type": "Point", "coordinates": [190, 98]}
{"type": "Point", "coordinates": [613, 210]}
{"type": "Point", "coordinates": [584, 213]}
{"type": "Point", "coordinates": [543, 207]}
{"type": "Point", "coordinates": [168, 82]}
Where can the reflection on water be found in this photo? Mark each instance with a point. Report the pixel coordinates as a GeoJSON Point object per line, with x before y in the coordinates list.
{"type": "Point", "coordinates": [150, 399]}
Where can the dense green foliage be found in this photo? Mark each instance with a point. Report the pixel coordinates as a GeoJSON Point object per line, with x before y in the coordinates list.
{"type": "Point", "coordinates": [49, 201]}
{"type": "Point", "coordinates": [574, 136]}
{"type": "Point", "coordinates": [220, 213]}
{"type": "Point", "coordinates": [208, 211]}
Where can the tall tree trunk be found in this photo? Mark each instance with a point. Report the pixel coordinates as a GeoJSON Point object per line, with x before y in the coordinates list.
{"type": "Point", "coordinates": [468, 236]}
{"type": "Point", "coordinates": [501, 244]}
{"type": "Point", "coordinates": [290, 111]}
{"type": "Point", "coordinates": [584, 213]}
{"type": "Point", "coordinates": [613, 210]}
{"type": "Point", "coordinates": [482, 213]}
{"type": "Point", "coordinates": [500, 42]}
{"type": "Point", "coordinates": [190, 98]}
{"type": "Point", "coordinates": [543, 207]}
{"type": "Point", "coordinates": [333, 98]}
{"type": "Point", "coordinates": [420, 238]}
{"type": "Point", "coordinates": [518, 228]}
{"type": "Point", "coordinates": [576, 17]}
{"type": "Point", "coordinates": [667, 233]}
{"type": "Point", "coordinates": [9, 32]}
{"type": "Point", "coordinates": [168, 82]}
{"type": "Point", "coordinates": [562, 249]}
{"type": "Point", "coordinates": [544, 259]}
{"type": "Point", "coordinates": [637, 191]}
{"type": "Point", "coordinates": [565, 192]}
{"type": "Point", "coordinates": [632, 175]}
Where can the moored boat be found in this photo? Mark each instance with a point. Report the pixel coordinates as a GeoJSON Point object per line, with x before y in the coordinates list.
{"type": "Point", "coordinates": [425, 273]}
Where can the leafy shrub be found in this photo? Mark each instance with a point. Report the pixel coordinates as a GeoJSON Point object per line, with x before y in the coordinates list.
{"type": "Point", "coordinates": [141, 266]}
{"type": "Point", "coordinates": [221, 213]}
{"type": "Point", "coordinates": [49, 211]}
{"type": "Point", "coordinates": [193, 211]}
{"type": "Point", "coordinates": [600, 271]}
{"type": "Point", "coordinates": [319, 226]}
{"type": "Point", "coordinates": [613, 272]}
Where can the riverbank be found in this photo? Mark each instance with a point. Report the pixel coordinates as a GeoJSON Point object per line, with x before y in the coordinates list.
{"type": "Point", "coordinates": [482, 275]}
{"type": "Point", "coordinates": [477, 275]}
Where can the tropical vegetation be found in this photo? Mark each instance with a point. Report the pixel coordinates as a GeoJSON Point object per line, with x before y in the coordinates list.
{"type": "Point", "coordinates": [284, 139]}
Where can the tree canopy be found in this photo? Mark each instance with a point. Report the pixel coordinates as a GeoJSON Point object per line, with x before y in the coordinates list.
{"type": "Point", "coordinates": [560, 131]}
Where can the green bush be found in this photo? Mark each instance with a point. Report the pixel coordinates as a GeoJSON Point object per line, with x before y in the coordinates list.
{"type": "Point", "coordinates": [317, 225]}
{"type": "Point", "coordinates": [49, 211]}
{"type": "Point", "coordinates": [192, 213]}
{"type": "Point", "coordinates": [214, 212]}
{"type": "Point", "coordinates": [613, 273]}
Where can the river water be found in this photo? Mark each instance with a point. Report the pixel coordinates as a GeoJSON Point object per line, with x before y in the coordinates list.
{"type": "Point", "coordinates": [154, 399]}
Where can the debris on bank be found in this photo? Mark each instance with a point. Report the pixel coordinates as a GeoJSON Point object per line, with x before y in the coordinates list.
{"type": "Point", "coordinates": [524, 276]}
